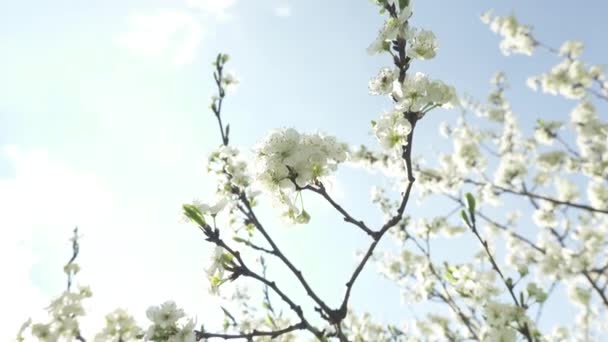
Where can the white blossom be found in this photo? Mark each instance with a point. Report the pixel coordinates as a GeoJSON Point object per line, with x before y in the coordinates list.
{"type": "Point", "coordinates": [119, 326]}
{"type": "Point", "coordinates": [516, 38]}
{"type": "Point", "coordinates": [384, 82]}
{"type": "Point", "coordinates": [286, 160]}
{"type": "Point", "coordinates": [392, 29]}
{"type": "Point", "coordinates": [571, 49]}
{"type": "Point", "coordinates": [392, 130]}
{"type": "Point", "coordinates": [422, 45]}
{"type": "Point", "coordinates": [418, 93]}
{"type": "Point", "coordinates": [165, 315]}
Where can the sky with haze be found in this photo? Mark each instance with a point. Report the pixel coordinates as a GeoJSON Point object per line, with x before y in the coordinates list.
{"type": "Point", "coordinates": [104, 124]}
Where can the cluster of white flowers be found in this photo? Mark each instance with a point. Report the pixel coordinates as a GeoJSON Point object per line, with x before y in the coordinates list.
{"type": "Point", "coordinates": [412, 273]}
{"type": "Point", "coordinates": [497, 107]}
{"type": "Point", "coordinates": [65, 312]}
{"type": "Point", "coordinates": [583, 114]}
{"type": "Point", "coordinates": [166, 326]}
{"type": "Point", "coordinates": [120, 326]}
{"type": "Point", "coordinates": [392, 130]}
{"type": "Point", "coordinates": [393, 28]}
{"type": "Point", "coordinates": [592, 141]}
{"type": "Point", "coordinates": [502, 320]}
{"type": "Point", "coordinates": [558, 262]}
{"type": "Point", "coordinates": [230, 81]}
{"type": "Point", "coordinates": [364, 329]}
{"type": "Point", "coordinates": [230, 170]}
{"type": "Point", "coordinates": [488, 195]}
{"type": "Point", "coordinates": [211, 209]}
{"type": "Point", "coordinates": [422, 44]}
{"type": "Point", "coordinates": [435, 227]}
{"type": "Point", "coordinates": [536, 293]}
{"type": "Point", "coordinates": [570, 78]}
{"type": "Point", "coordinates": [384, 82]}
{"type": "Point", "coordinates": [516, 38]}
{"type": "Point", "coordinates": [511, 137]}
{"type": "Point", "coordinates": [519, 256]}
{"type": "Point", "coordinates": [566, 190]}
{"type": "Point", "coordinates": [447, 178]}
{"type": "Point", "coordinates": [597, 192]}
{"type": "Point", "coordinates": [545, 131]}
{"type": "Point", "coordinates": [418, 93]}
{"type": "Point", "coordinates": [592, 239]}
{"type": "Point", "coordinates": [217, 268]}
{"type": "Point", "coordinates": [474, 285]}
{"type": "Point", "coordinates": [511, 170]}
{"type": "Point", "coordinates": [467, 154]}
{"type": "Point", "coordinates": [571, 49]}
{"type": "Point", "coordinates": [434, 328]}
{"type": "Point", "coordinates": [545, 216]}
{"type": "Point", "coordinates": [288, 160]}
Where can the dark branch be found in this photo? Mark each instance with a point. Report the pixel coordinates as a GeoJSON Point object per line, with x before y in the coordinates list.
{"type": "Point", "coordinates": [254, 333]}
{"type": "Point", "coordinates": [320, 189]}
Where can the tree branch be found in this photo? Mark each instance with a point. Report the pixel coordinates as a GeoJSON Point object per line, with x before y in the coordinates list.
{"type": "Point", "coordinates": [320, 189]}
{"type": "Point", "coordinates": [254, 333]}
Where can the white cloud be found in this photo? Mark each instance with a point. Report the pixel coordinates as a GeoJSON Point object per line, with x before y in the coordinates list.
{"type": "Point", "coordinates": [125, 255]}
{"type": "Point", "coordinates": [163, 34]}
{"type": "Point", "coordinates": [216, 8]}
{"type": "Point", "coordinates": [39, 206]}
{"type": "Point", "coordinates": [282, 11]}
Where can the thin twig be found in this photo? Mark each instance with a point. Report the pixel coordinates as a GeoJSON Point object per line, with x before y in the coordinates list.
{"type": "Point", "coordinates": [320, 189]}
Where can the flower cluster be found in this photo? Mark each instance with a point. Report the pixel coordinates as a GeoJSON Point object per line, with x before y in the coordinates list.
{"type": "Point", "coordinates": [570, 78]}
{"type": "Point", "coordinates": [422, 44]}
{"type": "Point", "coordinates": [418, 93]}
{"type": "Point", "coordinates": [64, 311]}
{"type": "Point", "coordinates": [384, 82]}
{"type": "Point", "coordinates": [592, 142]}
{"type": "Point", "coordinates": [412, 272]}
{"type": "Point", "coordinates": [219, 261]}
{"type": "Point", "coordinates": [517, 38]}
{"type": "Point", "coordinates": [546, 131]}
{"type": "Point", "coordinates": [467, 154]}
{"type": "Point", "coordinates": [393, 28]}
{"type": "Point", "coordinates": [511, 170]}
{"type": "Point", "coordinates": [503, 320]}
{"type": "Point", "coordinates": [230, 170]}
{"type": "Point", "coordinates": [288, 161]}
{"type": "Point", "coordinates": [230, 81]}
{"type": "Point", "coordinates": [392, 130]}
{"type": "Point", "coordinates": [120, 326]}
{"type": "Point", "coordinates": [472, 284]}
{"type": "Point", "coordinates": [165, 325]}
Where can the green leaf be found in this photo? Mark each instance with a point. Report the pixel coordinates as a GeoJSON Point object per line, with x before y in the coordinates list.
{"type": "Point", "coordinates": [448, 274]}
{"type": "Point", "coordinates": [403, 4]}
{"type": "Point", "coordinates": [465, 218]}
{"type": "Point", "coordinates": [270, 321]}
{"type": "Point", "coordinates": [239, 239]}
{"type": "Point", "coordinates": [194, 214]}
{"type": "Point", "coordinates": [470, 203]}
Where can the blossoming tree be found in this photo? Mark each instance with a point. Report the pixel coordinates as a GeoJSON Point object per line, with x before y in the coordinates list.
{"type": "Point", "coordinates": [560, 173]}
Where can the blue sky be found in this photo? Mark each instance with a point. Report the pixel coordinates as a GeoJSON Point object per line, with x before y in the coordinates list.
{"type": "Point", "coordinates": [104, 124]}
